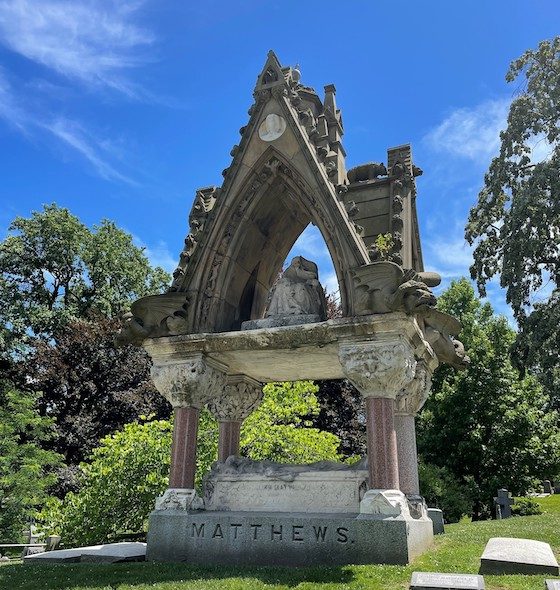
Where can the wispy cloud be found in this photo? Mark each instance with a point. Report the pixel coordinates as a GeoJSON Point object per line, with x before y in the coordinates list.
{"type": "Point", "coordinates": [158, 255]}
{"type": "Point", "coordinates": [91, 41]}
{"type": "Point", "coordinates": [472, 133]}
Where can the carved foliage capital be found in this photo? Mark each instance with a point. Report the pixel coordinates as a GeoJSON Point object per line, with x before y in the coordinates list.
{"type": "Point", "coordinates": [411, 399]}
{"type": "Point", "coordinates": [190, 382]}
{"type": "Point", "coordinates": [378, 369]}
{"type": "Point", "coordinates": [240, 396]}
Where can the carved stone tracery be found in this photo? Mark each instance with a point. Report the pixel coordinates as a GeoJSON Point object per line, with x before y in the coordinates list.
{"type": "Point", "coordinates": [412, 398]}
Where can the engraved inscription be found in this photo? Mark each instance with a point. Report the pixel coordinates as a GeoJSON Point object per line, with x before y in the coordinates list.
{"type": "Point", "coordinates": [295, 533]}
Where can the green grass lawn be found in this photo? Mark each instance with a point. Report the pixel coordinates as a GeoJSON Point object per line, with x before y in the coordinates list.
{"type": "Point", "coordinates": [459, 550]}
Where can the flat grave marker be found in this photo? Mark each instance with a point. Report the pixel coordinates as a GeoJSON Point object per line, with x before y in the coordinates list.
{"type": "Point", "coordinates": [505, 555]}
{"type": "Point", "coordinates": [438, 581]}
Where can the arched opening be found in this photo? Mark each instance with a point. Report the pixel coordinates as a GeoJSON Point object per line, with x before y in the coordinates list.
{"type": "Point", "coordinates": [276, 227]}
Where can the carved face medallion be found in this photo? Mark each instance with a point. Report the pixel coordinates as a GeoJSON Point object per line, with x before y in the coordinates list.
{"type": "Point", "coordinates": [272, 127]}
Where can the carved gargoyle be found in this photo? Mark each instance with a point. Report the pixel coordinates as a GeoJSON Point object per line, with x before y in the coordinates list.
{"type": "Point", "coordinates": [440, 329]}
{"type": "Point", "coordinates": [383, 287]}
{"type": "Point", "coordinates": [154, 316]}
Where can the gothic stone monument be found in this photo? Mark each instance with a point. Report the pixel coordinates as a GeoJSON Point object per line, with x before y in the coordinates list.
{"type": "Point", "coordinates": [220, 333]}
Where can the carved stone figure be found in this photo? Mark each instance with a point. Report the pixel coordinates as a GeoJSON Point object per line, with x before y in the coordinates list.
{"type": "Point", "coordinates": [298, 292]}
{"type": "Point", "coordinates": [368, 171]}
{"type": "Point", "coordinates": [153, 316]}
{"type": "Point", "coordinates": [384, 287]}
{"type": "Point", "coordinates": [440, 330]}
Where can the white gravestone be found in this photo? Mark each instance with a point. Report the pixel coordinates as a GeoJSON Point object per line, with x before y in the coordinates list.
{"type": "Point", "coordinates": [437, 581]}
{"type": "Point", "coordinates": [504, 555]}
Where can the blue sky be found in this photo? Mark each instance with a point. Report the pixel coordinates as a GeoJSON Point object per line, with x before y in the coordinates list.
{"type": "Point", "coordinates": [122, 109]}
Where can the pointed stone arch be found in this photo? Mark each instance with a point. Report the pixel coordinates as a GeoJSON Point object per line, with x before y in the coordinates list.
{"type": "Point", "coordinates": [266, 216]}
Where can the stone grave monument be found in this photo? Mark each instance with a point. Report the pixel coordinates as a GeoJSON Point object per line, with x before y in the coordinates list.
{"type": "Point", "coordinates": [228, 325]}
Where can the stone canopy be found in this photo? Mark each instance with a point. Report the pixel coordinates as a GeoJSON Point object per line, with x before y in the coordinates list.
{"type": "Point", "coordinates": [287, 171]}
{"type": "Point", "coordinates": [229, 323]}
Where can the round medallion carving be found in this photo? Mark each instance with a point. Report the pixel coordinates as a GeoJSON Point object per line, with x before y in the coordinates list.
{"type": "Point", "coordinates": [272, 127]}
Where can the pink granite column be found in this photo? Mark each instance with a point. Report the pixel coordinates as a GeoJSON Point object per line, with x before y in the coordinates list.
{"type": "Point", "coordinates": [228, 441]}
{"type": "Point", "coordinates": [382, 444]}
{"type": "Point", "coordinates": [408, 455]}
{"type": "Point", "coordinates": [183, 450]}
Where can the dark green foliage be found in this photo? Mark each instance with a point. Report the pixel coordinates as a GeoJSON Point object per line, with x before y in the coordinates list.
{"type": "Point", "coordinates": [26, 470]}
{"type": "Point", "coordinates": [342, 412]}
{"type": "Point", "coordinates": [516, 223]}
{"type": "Point", "coordinates": [525, 506]}
{"type": "Point", "coordinates": [487, 425]}
{"type": "Point", "coordinates": [441, 489]}
{"type": "Point", "coordinates": [90, 387]}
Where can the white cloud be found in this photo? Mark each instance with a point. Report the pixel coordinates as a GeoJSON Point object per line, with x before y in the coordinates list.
{"type": "Point", "coordinates": [472, 133]}
{"type": "Point", "coordinates": [75, 136]}
{"type": "Point", "coordinates": [90, 40]}
{"type": "Point", "coordinates": [310, 244]}
{"type": "Point", "coordinates": [158, 255]}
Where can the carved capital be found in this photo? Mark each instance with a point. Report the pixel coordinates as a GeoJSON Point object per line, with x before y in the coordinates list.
{"type": "Point", "coordinates": [378, 369]}
{"type": "Point", "coordinates": [411, 399]}
{"type": "Point", "coordinates": [241, 396]}
{"type": "Point", "coordinates": [189, 382]}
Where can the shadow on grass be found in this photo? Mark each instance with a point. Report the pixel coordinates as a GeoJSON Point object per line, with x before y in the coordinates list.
{"type": "Point", "coordinates": [73, 576]}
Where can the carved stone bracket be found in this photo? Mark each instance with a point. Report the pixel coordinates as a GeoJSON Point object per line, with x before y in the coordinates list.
{"type": "Point", "coordinates": [241, 396]}
{"type": "Point", "coordinates": [378, 369]}
{"type": "Point", "coordinates": [193, 381]}
{"type": "Point", "coordinates": [411, 399]}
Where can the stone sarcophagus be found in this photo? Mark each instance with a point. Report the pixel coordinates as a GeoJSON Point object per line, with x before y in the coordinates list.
{"type": "Point", "coordinates": [229, 324]}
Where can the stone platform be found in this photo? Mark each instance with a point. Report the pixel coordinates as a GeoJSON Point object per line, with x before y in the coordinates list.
{"type": "Point", "coordinates": [291, 539]}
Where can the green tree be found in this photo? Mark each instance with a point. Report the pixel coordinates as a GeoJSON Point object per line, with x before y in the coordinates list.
{"type": "Point", "coordinates": [516, 223]}
{"type": "Point", "coordinates": [53, 268]}
{"type": "Point", "coordinates": [280, 429]}
{"type": "Point", "coordinates": [119, 483]}
{"type": "Point", "coordinates": [487, 425]}
{"type": "Point", "coordinates": [26, 470]}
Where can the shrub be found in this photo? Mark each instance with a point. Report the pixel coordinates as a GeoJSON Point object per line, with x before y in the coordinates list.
{"type": "Point", "coordinates": [441, 489]}
{"type": "Point", "coordinates": [525, 506]}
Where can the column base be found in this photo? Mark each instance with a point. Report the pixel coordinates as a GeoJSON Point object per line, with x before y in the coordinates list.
{"type": "Point", "coordinates": [185, 499]}
{"type": "Point", "coordinates": [381, 504]}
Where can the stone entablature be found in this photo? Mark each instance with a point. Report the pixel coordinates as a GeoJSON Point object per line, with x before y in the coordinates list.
{"type": "Point", "coordinates": [308, 351]}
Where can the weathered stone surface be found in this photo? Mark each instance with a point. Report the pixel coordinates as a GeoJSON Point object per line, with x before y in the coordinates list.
{"type": "Point", "coordinates": [378, 369]}
{"type": "Point", "coordinates": [115, 553]}
{"type": "Point", "coordinates": [239, 538]}
{"type": "Point", "coordinates": [552, 584]}
{"type": "Point", "coordinates": [383, 503]}
{"type": "Point", "coordinates": [267, 487]}
{"type": "Point", "coordinates": [437, 581]}
{"type": "Point", "coordinates": [504, 555]}
{"type": "Point", "coordinates": [436, 516]}
{"type": "Point", "coordinates": [281, 320]}
{"type": "Point", "coordinates": [109, 553]}
{"type": "Point", "coordinates": [308, 351]}
{"type": "Point", "coordinates": [179, 499]}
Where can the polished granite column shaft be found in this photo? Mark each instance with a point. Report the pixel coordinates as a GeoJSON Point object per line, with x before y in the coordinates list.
{"type": "Point", "coordinates": [408, 455]}
{"type": "Point", "coordinates": [228, 441]}
{"type": "Point", "coordinates": [183, 450]}
{"type": "Point", "coordinates": [382, 444]}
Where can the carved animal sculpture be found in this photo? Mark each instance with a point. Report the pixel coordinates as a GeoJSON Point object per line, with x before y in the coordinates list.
{"type": "Point", "coordinates": [367, 171]}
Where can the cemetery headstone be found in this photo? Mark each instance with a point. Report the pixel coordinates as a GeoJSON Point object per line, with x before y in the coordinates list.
{"type": "Point", "coordinates": [503, 555]}
{"type": "Point", "coordinates": [547, 487]}
{"type": "Point", "coordinates": [436, 516]}
{"type": "Point", "coordinates": [437, 581]}
{"type": "Point", "coordinates": [552, 584]}
{"type": "Point", "coordinates": [504, 502]}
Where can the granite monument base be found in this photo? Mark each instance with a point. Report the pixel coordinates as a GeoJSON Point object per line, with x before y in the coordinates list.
{"type": "Point", "coordinates": [290, 539]}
